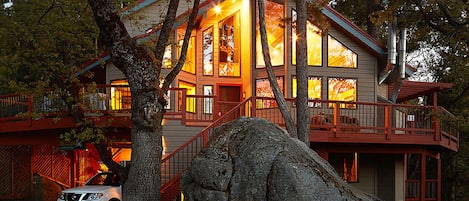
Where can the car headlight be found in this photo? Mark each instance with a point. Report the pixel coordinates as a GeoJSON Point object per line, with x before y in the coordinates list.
{"type": "Point", "coordinates": [93, 196]}
{"type": "Point", "coordinates": [62, 196]}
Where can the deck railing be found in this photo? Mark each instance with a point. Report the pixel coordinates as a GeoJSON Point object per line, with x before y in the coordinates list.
{"type": "Point", "coordinates": [336, 116]}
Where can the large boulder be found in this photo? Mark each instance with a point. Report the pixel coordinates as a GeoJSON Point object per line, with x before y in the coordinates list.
{"type": "Point", "coordinates": [253, 159]}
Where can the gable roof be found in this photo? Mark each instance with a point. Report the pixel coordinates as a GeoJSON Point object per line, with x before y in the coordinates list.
{"type": "Point", "coordinates": [354, 31]}
{"type": "Point", "coordinates": [335, 17]}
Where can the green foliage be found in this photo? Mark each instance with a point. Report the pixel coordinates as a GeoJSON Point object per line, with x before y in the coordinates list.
{"type": "Point", "coordinates": [43, 43]}
{"type": "Point", "coordinates": [443, 27]}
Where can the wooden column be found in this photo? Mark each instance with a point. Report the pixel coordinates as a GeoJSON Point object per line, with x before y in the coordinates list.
{"type": "Point", "coordinates": [423, 179]}
{"type": "Point", "coordinates": [438, 177]}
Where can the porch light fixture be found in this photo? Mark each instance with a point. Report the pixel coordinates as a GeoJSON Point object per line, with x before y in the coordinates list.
{"type": "Point", "coordinates": [217, 9]}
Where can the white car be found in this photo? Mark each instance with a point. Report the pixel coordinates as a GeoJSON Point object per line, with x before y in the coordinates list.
{"type": "Point", "coordinates": [104, 186]}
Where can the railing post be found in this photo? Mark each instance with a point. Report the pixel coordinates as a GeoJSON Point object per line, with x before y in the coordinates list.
{"type": "Point", "coordinates": [387, 121]}
{"type": "Point", "coordinates": [436, 124]}
{"type": "Point", "coordinates": [253, 106]}
{"type": "Point", "coordinates": [216, 108]}
{"type": "Point", "coordinates": [30, 108]}
{"type": "Point", "coordinates": [336, 121]}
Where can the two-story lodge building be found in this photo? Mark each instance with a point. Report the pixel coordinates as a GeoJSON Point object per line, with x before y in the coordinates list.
{"type": "Point", "coordinates": [362, 122]}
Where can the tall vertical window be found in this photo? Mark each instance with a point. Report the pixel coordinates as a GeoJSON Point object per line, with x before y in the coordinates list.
{"type": "Point", "coordinates": [343, 89]}
{"type": "Point", "coordinates": [274, 23]}
{"type": "Point", "coordinates": [263, 89]}
{"type": "Point", "coordinates": [338, 55]}
{"type": "Point", "coordinates": [314, 89]}
{"type": "Point", "coordinates": [208, 102]}
{"type": "Point", "coordinates": [190, 101]}
{"type": "Point", "coordinates": [229, 47]}
{"type": "Point", "coordinates": [207, 45]}
{"type": "Point", "coordinates": [167, 57]}
{"type": "Point", "coordinates": [189, 64]}
{"type": "Point", "coordinates": [314, 42]}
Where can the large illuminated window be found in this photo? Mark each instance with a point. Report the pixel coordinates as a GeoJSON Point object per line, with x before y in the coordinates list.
{"type": "Point", "coordinates": [343, 89]}
{"type": "Point", "coordinates": [190, 101]}
{"type": "Point", "coordinates": [207, 45]}
{"type": "Point", "coordinates": [263, 89]}
{"type": "Point", "coordinates": [229, 51]}
{"type": "Point", "coordinates": [189, 64]}
{"type": "Point", "coordinates": [338, 55]}
{"type": "Point", "coordinates": [120, 95]}
{"type": "Point", "coordinates": [314, 89]}
{"type": "Point", "coordinates": [314, 40]}
{"type": "Point", "coordinates": [274, 22]}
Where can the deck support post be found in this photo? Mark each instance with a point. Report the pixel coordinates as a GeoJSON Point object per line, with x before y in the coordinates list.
{"type": "Point", "coordinates": [423, 179]}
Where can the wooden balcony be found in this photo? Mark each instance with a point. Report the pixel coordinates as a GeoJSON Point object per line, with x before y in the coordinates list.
{"type": "Point", "coordinates": [331, 121]}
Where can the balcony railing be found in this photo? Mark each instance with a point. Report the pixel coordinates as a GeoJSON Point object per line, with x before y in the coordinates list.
{"type": "Point", "coordinates": [334, 117]}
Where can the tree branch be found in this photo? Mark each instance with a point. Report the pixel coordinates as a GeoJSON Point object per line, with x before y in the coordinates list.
{"type": "Point", "coordinates": [191, 23]}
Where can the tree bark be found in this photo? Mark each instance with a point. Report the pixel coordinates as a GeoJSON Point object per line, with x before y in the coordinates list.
{"type": "Point", "coordinates": [144, 177]}
{"type": "Point", "coordinates": [279, 97]}
{"type": "Point", "coordinates": [302, 73]}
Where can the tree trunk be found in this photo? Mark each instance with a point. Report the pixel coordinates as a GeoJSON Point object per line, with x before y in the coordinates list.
{"type": "Point", "coordinates": [143, 182]}
{"type": "Point", "coordinates": [302, 73]}
{"type": "Point", "coordinates": [144, 177]}
{"type": "Point", "coordinates": [279, 97]}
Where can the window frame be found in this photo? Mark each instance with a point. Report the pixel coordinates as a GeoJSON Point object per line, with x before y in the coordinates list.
{"type": "Point", "coordinates": [267, 104]}
{"type": "Point", "coordinates": [351, 106]}
{"type": "Point", "coordinates": [236, 43]}
{"type": "Point", "coordinates": [345, 46]}
{"type": "Point", "coordinates": [212, 57]}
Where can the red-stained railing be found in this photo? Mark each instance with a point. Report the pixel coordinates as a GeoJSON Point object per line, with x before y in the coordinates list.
{"type": "Point", "coordinates": [177, 161]}
{"type": "Point", "coordinates": [336, 117]}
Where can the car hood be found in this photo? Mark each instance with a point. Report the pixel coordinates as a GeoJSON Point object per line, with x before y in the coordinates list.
{"type": "Point", "coordinates": [89, 189]}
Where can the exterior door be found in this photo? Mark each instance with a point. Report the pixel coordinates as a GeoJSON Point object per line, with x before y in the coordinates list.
{"type": "Point", "coordinates": [228, 97]}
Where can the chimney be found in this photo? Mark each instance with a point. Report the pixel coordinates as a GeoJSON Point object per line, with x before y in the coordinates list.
{"type": "Point", "coordinates": [392, 54]}
{"type": "Point", "coordinates": [402, 52]}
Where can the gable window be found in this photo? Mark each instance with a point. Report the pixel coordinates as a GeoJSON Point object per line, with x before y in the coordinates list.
{"type": "Point", "coordinates": [189, 64]}
{"type": "Point", "coordinates": [207, 51]}
{"type": "Point", "coordinates": [314, 89]}
{"type": "Point", "coordinates": [314, 40]}
{"type": "Point", "coordinates": [274, 25]}
{"type": "Point", "coordinates": [190, 101]}
{"type": "Point", "coordinates": [263, 89]}
{"type": "Point", "coordinates": [338, 55]}
{"type": "Point", "coordinates": [342, 89]}
{"type": "Point", "coordinates": [229, 47]}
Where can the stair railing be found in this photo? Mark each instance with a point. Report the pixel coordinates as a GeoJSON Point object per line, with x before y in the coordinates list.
{"type": "Point", "coordinates": [178, 161]}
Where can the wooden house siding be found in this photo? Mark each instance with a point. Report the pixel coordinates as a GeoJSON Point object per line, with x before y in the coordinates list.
{"type": "Point", "coordinates": [138, 23]}
{"type": "Point", "coordinates": [113, 73]}
{"type": "Point", "coordinates": [176, 134]}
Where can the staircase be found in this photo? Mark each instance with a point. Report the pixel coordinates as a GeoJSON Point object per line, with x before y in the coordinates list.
{"type": "Point", "coordinates": [176, 162]}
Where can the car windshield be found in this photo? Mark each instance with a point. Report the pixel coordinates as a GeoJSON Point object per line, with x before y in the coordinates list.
{"type": "Point", "coordinates": [106, 179]}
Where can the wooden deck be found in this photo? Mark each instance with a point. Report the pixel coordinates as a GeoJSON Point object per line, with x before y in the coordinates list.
{"type": "Point", "coordinates": [331, 121]}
